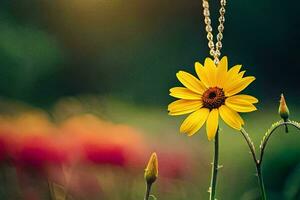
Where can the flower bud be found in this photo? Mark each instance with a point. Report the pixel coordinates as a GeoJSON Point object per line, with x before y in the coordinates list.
{"type": "Point", "coordinates": [283, 109]}
{"type": "Point", "coordinates": [151, 171]}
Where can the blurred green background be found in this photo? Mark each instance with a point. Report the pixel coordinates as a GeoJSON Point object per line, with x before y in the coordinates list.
{"type": "Point", "coordinates": [119, 58]}
{"type": "Point", "coordinates": [133, 49]}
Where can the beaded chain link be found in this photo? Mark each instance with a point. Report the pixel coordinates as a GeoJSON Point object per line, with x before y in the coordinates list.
{"type": "Point", "coordinates": [215, 49]}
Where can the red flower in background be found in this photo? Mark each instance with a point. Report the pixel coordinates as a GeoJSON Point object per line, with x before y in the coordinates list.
{"type": "Point", "coordinates": [94, 141]}
{"type": "Point", "coordinates": [104, 154]}
{"type": "Point", "coordinates": [38, 152]}
{"type": "Point", "coordinates": [68, 154]}
{"type": "Point", "coordinates": [29, 140]}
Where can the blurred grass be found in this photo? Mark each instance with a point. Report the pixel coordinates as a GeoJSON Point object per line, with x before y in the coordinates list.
{"type": "Point", "coordinates": [237, 177]}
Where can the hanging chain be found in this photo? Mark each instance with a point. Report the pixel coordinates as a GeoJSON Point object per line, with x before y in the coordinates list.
{"type": "Point", "coordinates": [215, 49]}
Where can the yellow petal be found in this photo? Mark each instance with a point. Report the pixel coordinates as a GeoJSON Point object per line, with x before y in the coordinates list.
{"type": "Point", "coordinates": [231, 75]}
{"type": "Point", "coordinates": [194, 121]}
{"type": "Point", "coordinates": [191, 82]}
{"type": "Point", "coordinates": [238, 87]}
{"type": "Point", "coordinates": [231, 117]}
{"type": "Point", "coordinates": [222, 71]}
{"type": "Point", "coordinates": [211, 71]}
{"type": "Point", "coordinates": [182, 106]}
{"type": "Point", "coordinates": [245, 97]}
{"type": "Point", "coordinates": [235, 70]}
{"type": "Point", "coordinates": [202, 74]}
{"type": "Point", "coordinates": [239, 105]}
{"type": "Point", "coordinates": [208, 62]}
{"type": "Point", "coordinates": [223, 62]}
{"type": "Point", "coordinates": [241, 74]}
{"type": "Point", "coordinates": [212, 123]}
{"type": "Point", "coordinates": [184, 93]}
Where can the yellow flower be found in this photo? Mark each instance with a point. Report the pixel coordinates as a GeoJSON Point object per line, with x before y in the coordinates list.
{"type": "Point", "coordinates": [151, 171]}
{"type": "Point", "coordinates": [213, 94]}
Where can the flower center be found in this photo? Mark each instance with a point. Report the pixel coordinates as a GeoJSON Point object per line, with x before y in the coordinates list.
{"type": "Point", "coordinates": [213, 97]}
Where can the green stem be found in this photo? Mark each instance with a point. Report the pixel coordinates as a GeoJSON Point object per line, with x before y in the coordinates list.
{"type": "Point", "coordinates": [270, 132]}
{"type": "Point", "coordinates": [214, 171]}
{"type": "Point", "coordinates": [148, 189]}
{"type": "Point", "coordinates": [261, 182]}
{"type": "Point", "coordinates": [258, 160]}
{"type": "Point", "coordinates": [257, 163]}
{"type": "Point", "coordinates": [50, 189]}
{"type": "Point", "coordinates": [286, 126]}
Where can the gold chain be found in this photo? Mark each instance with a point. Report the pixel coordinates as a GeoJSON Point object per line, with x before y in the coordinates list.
{"type": "Point", "coordinates": [215, 49]}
